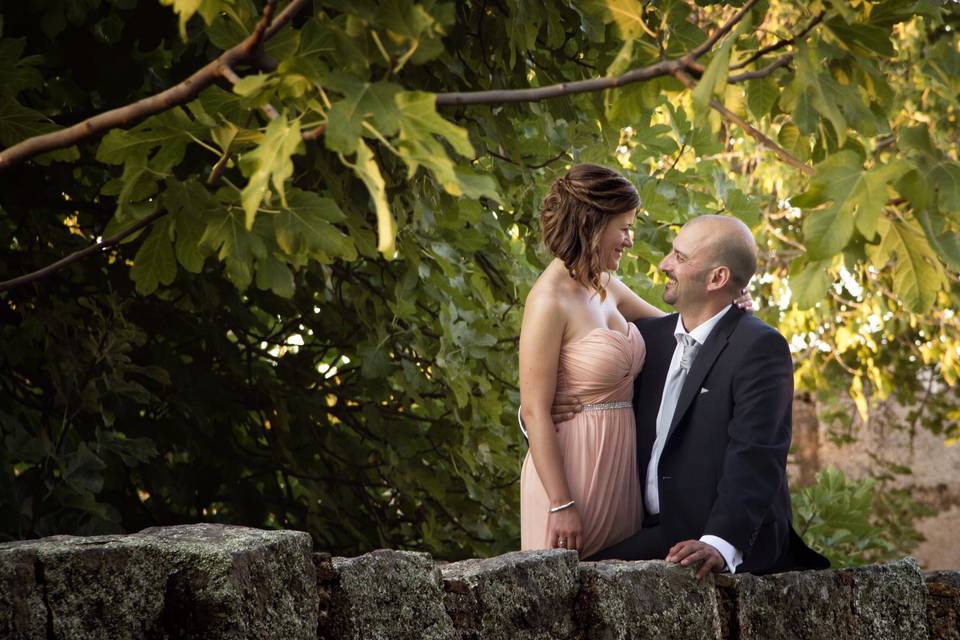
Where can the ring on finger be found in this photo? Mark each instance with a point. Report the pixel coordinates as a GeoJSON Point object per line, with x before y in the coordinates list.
{"type": "Point", "coordinates": [561, 542]}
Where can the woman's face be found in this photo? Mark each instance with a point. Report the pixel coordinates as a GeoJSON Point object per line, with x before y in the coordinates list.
{"type": "Point", "coordinates": [615, 238]}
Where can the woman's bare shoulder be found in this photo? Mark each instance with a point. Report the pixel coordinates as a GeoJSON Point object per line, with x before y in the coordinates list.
{"type": "Point", "coordinates": [549, 296]}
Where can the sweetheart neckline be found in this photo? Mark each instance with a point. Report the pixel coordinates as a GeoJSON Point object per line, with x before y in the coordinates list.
{"type": "Point", "coordinates": [625, 336]}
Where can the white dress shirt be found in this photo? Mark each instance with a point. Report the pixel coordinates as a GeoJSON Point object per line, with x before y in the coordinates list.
{"type": "Point", "coordinates": [731, 555]}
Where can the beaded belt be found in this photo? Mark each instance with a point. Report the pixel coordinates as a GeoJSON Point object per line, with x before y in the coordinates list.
{"type": "Point", "coordinates": [603, 406]}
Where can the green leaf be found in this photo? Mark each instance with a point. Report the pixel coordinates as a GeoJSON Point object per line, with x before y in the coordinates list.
{"type": "Point", "coordinates": [363, 99]}
{"type": "Point", "coordinates": [273, 275]}
{"type": "Point", "coordinates": [420, 125]}
{"type": "Point", "coordinates": [17, 123]}
{"type": "Point", "coordinates": [856, 197]}
{"type": "Point", "coordinates": [137, 183]}
{"type": "Point", "coordinates": [743, 207]}
{"type": "Point", "coordinates": [17, 74]}
{"type": "Point", "coordinates": [793, 141]}
{"type": "Point", "coordinates": [406, 19]}
{"type": "Point", "coordinates": [166, 136]}
{"type": "Point", "coordinates": [418, 119]}
{"type": "Point", "coordinates": [81, 470]}
{"type": "Point", "coordinates": [944, 242]}
{"type": "Point", "coordinates": [476, 185]}
{"type": "Point", "coordinates": [224, 104]}
{"type": "Point", "coordinates": [713, 81]}
{"type": "Point", "coordinates": [269, 163]}
{"type": "Point", "coordinates": [130, 450]}
{"type": "Point", "coordinates": [249, 85]}
{"type": "Point", "coordinates": [368, 171]}
{"type": "Point", "coordinates": [917, 273]}
{"type": "Point", "coordinates": [189, 203]}
{"type": "Point", "coordinates": [827, 232]}
{"type": "Point", "coordinates": [944, 178]}
{"type": "Point", "coordinates": [843, 8]}
{"type": "Point", "coordinates": [628, 15]}
{"type": "Point", "coordinates": [304, 226]}
{"type": "Point", "coordinates": [808, 85]}
{"type": "Point", "coordinates": [809, 285]}
{"type": "Point", "coordinates": [915, 189]}
{"type": "Point", "coordinates": [227, 234]}
{"type": "Point", "coordinates": [186, 9]}
{"type": "Point", "coordinates": [862, 39]}
{"type": "Point", "coordinates": [684, 35]}
{"type": "Point", "coordinates": [154, 263]}
{"type": "Point", "coordinates": [762, 94]}
{"type": "Point", "coordinates": [622, 60]}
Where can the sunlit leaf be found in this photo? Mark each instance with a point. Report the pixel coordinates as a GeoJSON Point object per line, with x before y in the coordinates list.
{"type": "Point", "coordinates": [270, 164]}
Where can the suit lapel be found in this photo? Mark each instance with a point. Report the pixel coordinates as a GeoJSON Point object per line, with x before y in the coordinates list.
{"type": "Point", "coordinates": [711, 350]}
{"type": "Point", "coordinates": [660, 343]}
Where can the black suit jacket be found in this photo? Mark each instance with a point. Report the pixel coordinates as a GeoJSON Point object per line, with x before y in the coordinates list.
{"type": "Point", "coordinates": [723, 467]}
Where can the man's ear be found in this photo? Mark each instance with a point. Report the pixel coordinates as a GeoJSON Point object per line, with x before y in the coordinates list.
{"type": "Point", "coordinates": [718, 278]}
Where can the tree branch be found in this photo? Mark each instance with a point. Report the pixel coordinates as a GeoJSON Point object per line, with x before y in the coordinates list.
{"type": "Point", "coordinates": [728, 115]}
{"type": "Point", "coordinates": [315, 134]}
{"type": "Point", "coordinates": [719, 33]}
{"type": "Point", "coordinates": [782, 61]}
{"type": "Point", "coordinates": [643, 74]}
{"type": "Point", "coordinates": [174, 96]}
{"type": "Point", "coordinates": [779, 44]}
{"type": "Point", "coordinates": [82, 253]}
{"type": "Point", "coordinates": [505, 96]}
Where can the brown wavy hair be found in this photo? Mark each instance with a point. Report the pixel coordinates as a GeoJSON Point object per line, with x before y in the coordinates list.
{"type": "Point", "coordinates": [574, 214]}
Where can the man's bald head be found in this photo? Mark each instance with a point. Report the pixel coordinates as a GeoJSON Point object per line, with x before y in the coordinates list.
{"type": "Point", "coordinates": [731, 245]}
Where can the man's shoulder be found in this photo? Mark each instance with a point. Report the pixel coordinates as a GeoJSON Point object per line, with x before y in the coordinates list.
{"type": "Point", "coordinates": [658, 324]}
{"type": "Point", "coordinates": [751, 330]}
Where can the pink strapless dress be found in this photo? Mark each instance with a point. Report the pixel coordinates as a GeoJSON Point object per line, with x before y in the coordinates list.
{"type": "Point", "coordinates": [598, 446]}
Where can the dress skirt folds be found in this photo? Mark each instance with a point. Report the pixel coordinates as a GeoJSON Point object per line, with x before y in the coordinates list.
{"type": "Point", "coordinates": [598, 445]}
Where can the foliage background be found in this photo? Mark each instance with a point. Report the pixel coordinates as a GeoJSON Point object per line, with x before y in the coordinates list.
{"type": "Point", "coordinates": [319, 332]}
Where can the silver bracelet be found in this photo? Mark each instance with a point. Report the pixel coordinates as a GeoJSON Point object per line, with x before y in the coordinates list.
{"type": "Point", "coordinates": [562, 507]}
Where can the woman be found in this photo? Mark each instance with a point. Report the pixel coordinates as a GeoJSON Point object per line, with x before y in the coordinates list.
{"type": "Point", "coordinates": [579, 485]}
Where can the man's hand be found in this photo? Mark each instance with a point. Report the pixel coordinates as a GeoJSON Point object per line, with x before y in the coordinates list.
{"type": "Point", "coordinates": [564, 408]}
{"type": "Point", "coordinates": [691, 552]}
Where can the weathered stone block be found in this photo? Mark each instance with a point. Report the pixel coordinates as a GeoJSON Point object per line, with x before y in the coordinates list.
{"type": "Point", "coordinates": [23, 614]}
{"type": "Point", "coordinates": [626, 600]}
{"type": "Point", "coordinates": [236, 582]}
{"type": "Point", "coordinates": [387, 595]}
{"type": "Point", "coordinates": [943, 605]}
{"type": "Point", "coordinates": [193, 581]}
{"type": "Point", "coordinates": [523, 595]}
{"type": "Point", "coordinates": [861, 603]}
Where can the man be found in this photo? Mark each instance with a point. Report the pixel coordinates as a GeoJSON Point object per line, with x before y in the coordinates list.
{"type": "Point", "coordinates": [713, 409]}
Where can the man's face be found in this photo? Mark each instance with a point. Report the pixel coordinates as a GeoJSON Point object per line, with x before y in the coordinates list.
{"type": "Point", "coordinates": [687, 267]}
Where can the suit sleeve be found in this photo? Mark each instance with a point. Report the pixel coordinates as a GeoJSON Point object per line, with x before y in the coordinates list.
{"type": "Point", "coordinates": [755, 460]}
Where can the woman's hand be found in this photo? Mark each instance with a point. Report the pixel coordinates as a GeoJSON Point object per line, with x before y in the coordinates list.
{"type": "Point", "coordinates": [744, 301]}
{"type": "Point", "coordinates": [564, 529]}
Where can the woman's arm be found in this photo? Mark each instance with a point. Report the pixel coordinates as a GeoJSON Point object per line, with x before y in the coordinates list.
{"type": "Point", "coordinates": [540, 339]}
{"type": "Point", "coordinates": [630, 305]}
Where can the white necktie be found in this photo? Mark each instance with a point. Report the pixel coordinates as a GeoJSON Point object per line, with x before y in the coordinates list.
{"type": "Point", "coordinates": [671, 391]}
{"type": "Point", "coordinates": [668, 406]}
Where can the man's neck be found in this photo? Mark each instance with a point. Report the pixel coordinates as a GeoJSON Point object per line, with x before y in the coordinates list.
{"type": "Point", "coordinates": [693, 318]}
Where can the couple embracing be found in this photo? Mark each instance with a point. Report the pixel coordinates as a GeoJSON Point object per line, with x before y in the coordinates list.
{"type": "Point", "coordinates": [653, 436]}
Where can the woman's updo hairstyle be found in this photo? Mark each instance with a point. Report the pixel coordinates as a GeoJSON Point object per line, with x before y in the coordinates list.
{"type": "Point", "coordinates": [574, 214]}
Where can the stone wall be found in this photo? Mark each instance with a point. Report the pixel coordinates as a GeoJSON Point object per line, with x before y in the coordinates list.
{"type": "Point", "coordinates": [213, 582]}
